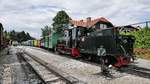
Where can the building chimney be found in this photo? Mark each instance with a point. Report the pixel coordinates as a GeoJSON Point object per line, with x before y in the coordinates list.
{"type": "Point", "coordinates": [81, 20]}
{"type": "Point", "coordinates": [88, 19]}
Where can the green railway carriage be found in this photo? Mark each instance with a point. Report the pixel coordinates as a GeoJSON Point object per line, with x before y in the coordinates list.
{"type": "Point", "coordinates": [46, 42]}
{"type": "Point", "coordinates": [53, 37]}
{"type": "Point", "coordinates": [50, 41]}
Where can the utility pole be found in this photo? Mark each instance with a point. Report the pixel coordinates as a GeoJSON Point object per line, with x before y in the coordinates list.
{"type": "Point", "coordinates": [146, 24]}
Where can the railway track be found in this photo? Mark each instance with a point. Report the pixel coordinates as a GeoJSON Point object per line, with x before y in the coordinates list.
{"type": "Point", "coordinates": [130, 69]}
{"type": "Point", "coordinates": [137, 71]}
{"type": "Point", "coordinates": [48, 73]}
{"type": "Point", "coordinates": [46, 76]}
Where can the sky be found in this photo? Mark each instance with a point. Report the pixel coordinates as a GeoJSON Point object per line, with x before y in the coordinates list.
{"type": "Point", "coordinates": [32, 15]}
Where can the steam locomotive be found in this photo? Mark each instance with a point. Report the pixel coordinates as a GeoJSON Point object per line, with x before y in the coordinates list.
{"type": "Point", "coordinates": [86, 42]}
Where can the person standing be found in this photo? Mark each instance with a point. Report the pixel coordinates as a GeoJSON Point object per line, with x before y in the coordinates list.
{"type": "Point", "coordinates": [101, 53]}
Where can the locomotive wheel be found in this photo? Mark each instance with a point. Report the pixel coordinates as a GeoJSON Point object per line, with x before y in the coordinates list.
{"type": "Point", "coordinates": [94, 58]}
{"type": "Point", "coordinates": [87, 58]}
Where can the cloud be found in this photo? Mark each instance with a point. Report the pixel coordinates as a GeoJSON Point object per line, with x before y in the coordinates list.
{"type": "Point", "coordinates": [32, 15]}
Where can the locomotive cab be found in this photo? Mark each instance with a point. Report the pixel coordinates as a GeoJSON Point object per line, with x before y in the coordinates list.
{"type": "Point", "coordinates": [68, 43]}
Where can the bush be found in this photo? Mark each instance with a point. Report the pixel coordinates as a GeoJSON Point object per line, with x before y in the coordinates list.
{"type": "Point", "coordinates": [142, 38]}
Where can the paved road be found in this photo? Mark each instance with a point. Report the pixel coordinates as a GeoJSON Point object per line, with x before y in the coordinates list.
{"type": "Point", "coordinates": [13, 70]}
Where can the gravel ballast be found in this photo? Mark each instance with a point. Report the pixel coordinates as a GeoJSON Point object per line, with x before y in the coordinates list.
{"type": "Point", "coordinates": [88, 73]}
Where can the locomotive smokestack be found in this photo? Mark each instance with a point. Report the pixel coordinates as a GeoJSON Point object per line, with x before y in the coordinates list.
{"type": "Point", "coordinates": [88, 21]}
{"type": "Point", "coordinates": [81, 20]}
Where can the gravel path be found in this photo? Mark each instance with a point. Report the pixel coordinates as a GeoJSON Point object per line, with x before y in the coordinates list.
{"type": "Point", "coordinates": [87, 72]}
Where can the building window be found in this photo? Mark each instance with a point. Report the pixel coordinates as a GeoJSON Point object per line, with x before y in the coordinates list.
{"type": "Point", "coordinates": [103, 26]}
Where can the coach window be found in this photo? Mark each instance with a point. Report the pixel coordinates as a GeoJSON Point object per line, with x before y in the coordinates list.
{"type": "Point", "coordinates": [79, 33]}
{"type": "Point", "coordinates": [103, 26]}
{"type": "Point", "coordinates": [74, 33]}
{"type": "Point", "coordinates": [66, 33]}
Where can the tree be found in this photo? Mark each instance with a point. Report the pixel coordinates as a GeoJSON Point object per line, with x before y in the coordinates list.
{"type": "Point", "coordinates": [142, 38]}
{"type": "Point", "coordinates": [46, 31]}
{"type": "Point", "coordinates": [28, 36]}
{"type": "Point", "coordinates": [13, 35]}
{"type": "Point", "coordinates": [60, 20]}
{"type": "Point", "coordinates": [22, 36]}
{"type": "Point", "coordinates": [17, 36]}
{"type": "Point", "coordinates": [6, 34]}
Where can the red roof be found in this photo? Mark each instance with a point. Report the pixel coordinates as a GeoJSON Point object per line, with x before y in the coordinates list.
{"type": "Point", "coordinates": [88, 23]}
